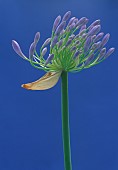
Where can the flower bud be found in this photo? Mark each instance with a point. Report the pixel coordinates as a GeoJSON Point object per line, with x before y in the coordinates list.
{"type": "Point", "coordinates": [94, 30]}
{"type": "Point", "coordinates": [95, 46]}
{"type": "Point", "coordinates": [47, 41]}
{"type": "Point", "coordinates": [60, 28]}
{"type": "Point", "coordinates": [56, 22]}
{"type": "Point", "coordinates": [71, 21]}
{"type": "Point", "coordinates": [83, 28]}
{"type": "Point", "coordinates": [37, 37]}
{"type": "Point", "coordinates": [17, 49]}
{"type": "Point", "coordinates": [82, 21]}
{"type": "Point", "coordinates": [89, 59]}
{"type": "Point", "coordinates": [32, 50]}
{"type": "Point", "coordinates": [60, 43]}
{"type": "Point", "coordinates": [76, 54]}
{"type": "Point", "coordinates": [68, 42]}
{"type": "Point", "coordinates": [109, 52]}
{"type": "Point", "coordinates": [102, 53]}
{"type": "Point", "coordinates": [87, 44]}
{"type": "Point", "coordinates": [105, 40]}
{"type": "Point", "coordinates": [44, 51]}
{"type": "Point", "coordinates": [49, 59]}
{"type": "Point", "coordinates": [66, 16]}
{"type": "Point", "coordinates": [97, 22]}
{"type": "Point", "coordinates": [54, 41]}
{"type": "Point", "coordinates": [98, 37]}
{"type": "Point", "coordinates": [72, 26]}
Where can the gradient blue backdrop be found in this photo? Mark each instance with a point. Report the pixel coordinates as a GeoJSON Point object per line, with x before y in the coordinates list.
{"type": "Point", "coordinates": [30, 121]}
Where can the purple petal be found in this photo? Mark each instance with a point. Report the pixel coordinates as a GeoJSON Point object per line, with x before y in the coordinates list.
{"type": "Point", "coordinates": [66, 16]}
{"type": "Point", "coordinates": [98, 37]}
{"type": "Point", "coordinates": [71, 21]}
{"type": "Point", "coordinates": [82, 28]}
{"type": "Point", "coordinates": [94, 30]}
{"type": "Point", "coordinates": [44, 51]}
{"type": "Point", "coordinates": [90, 58]}
{"type": "Point", "coordinates": [47, 41]}
{"type": "Point", "coordinates": [37, 37]}
{"type": "Point", "coordinates": [72, 26]}
{"type": "Point", "coordinates": [68, 42]}
{"type": "Point", "coordinates": [60, 28]}
{"type": "Point", "coordinates": [32, 50]}
{"type": "Point", "coordinates": [82, 31]}
{"type": "Point", "coordinates": [105, 40]}
{"type": "Point", "coordinates": [96, 46]}
{"type": "Point", "coordinates": [82, 21]}
{"type": "Point", "coordinates": [76, 54]}
{"type": "Point", "coordinates": [60, 43]}
{"type": "Point", "coordinates": [102, 53]}
{"type": "Point", "coordinates": [87, 44]}
{"type": "Point", "coordinates": [97, 22]}
{"type": "Point", "coordinates": [49, 59]}
{"type": "Point", "coordinates": [109, 52]}
{"type": "Point", "coordinates": [17, 49]}
{"type": "Point", "coordinates": [56, 22]}
{"type": "Point", "coordinates": [54, 41]}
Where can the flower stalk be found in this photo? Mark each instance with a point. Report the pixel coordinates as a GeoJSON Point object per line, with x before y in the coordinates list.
{"type": "Point", "coordinates": [65, 121]}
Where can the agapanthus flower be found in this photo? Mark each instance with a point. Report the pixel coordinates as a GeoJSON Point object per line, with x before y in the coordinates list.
{"type": "Point", "coordinates": [73, 46]}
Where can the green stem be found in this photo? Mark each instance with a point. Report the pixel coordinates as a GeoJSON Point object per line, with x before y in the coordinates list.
{"type": "Point", "coordinates": [65, 122]}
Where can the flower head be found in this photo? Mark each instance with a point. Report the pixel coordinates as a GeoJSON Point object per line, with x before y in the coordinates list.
{"type": "Point", "coordinates": [73, 46]}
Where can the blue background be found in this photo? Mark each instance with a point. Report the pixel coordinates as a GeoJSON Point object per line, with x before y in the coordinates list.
{"type": "Point", "coordinates": [30, 121]}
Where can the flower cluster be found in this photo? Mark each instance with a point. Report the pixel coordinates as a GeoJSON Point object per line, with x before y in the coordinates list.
{"type": "Point", "coordinates": [69, 51]}
{"type": "Point", "coordinates": [73, 46]}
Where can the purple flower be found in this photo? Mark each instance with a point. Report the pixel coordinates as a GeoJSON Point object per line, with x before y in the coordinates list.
{"type": "Point", "coordinates": [62, 32]}
{"type": "Point", "coordinates": [102, 53]}
{"type": "Point", "coordinates": [17, 49]}
{"type": "Point", "coordinates": [105, 40]}
{"type": "Point", "coordinates": [72, 26]}
{"type": "Point", "coordinates": [47, 41]}
{"type": "Point", "coordinates": [71, 21]}
{"type": "Point", "coordinates": [44, 51]}
{"type": "Point", "coordinates": [76, 54]}
{"type": "Point", "coordinates": [32, 50]}
{"type": "Point", "coordinates": [83, 28]}
{"type": "Point", "coordinates": [54, 41]}
{"type": "Point", "coordinates": [60, 28]}
{"type": "Point", "coordinates": [66, 16]}
{"type": "Point", "coordinates": [97, 22]}
{"type": "Point", "coordinates": [56, 22]}
{"type": "Point", "coordinates": [89, 59]}
{"type": "Point", "coordinates": [93, 37]}
{"type": "Point", "coordinates": [87, 44]}
{"type": "Point", "coordinates": [109, 52]}
{"type": "Point", "coordinates": [60, 43]}
{"type": "Point", "coordinates": [37, 37]}
{"type": "Point", "coordinates": [98, 37]}
{"type": "Point", "coordinates": [49, 59]}
{"type": "Point", "coordinates": [94, 30]}
{"type": "Point", "coordinates": [82, 31]}
{"type": "Point", "coordinates": [95, 46]}
{"type": "Point", "coordinates": [68, 42]}
{"type": "Point", "coordinates": [82, 21]}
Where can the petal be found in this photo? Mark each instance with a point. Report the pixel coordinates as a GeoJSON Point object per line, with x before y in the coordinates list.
{"type": "Point", "coordinates": [46, 82]}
